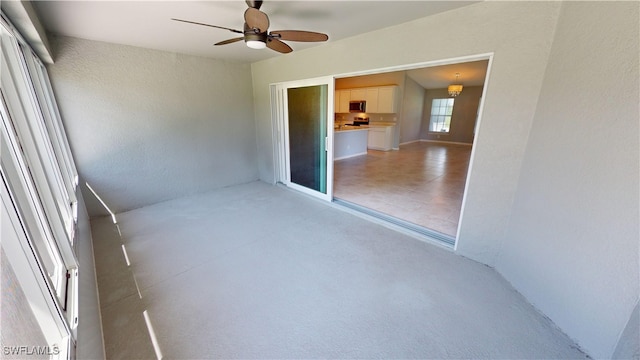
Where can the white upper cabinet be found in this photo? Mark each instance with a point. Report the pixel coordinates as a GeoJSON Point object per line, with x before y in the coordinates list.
{"type": "Point", "coordinates": [387, 100]}
{"type": "Point", "coordinates": [358, 94]}
{"type": "Point", "coordinates": [341, 101]}
{"type": "Point", "coordinates": [371, 97]}
{"type": "Point", "coordinates": [380, 100]}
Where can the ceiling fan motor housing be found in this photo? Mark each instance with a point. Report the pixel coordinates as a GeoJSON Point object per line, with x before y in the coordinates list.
{"type": "Point", "coordinates": [254, 3]}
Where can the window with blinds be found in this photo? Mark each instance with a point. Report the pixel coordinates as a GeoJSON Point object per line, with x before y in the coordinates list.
{"type": "Point", "coordinates": [441, 110]}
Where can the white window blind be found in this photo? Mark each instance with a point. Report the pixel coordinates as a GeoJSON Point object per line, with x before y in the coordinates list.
{"type": "Point", "coordinates": [441, 110]}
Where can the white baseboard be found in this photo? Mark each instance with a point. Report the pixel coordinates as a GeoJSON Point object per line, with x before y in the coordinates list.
{"type": "Point", "coordinates": [410, 142]}
{"type": "Point", "coordinates": [350, 156]}
{"type": "Point", "coordinates": [446, 142]}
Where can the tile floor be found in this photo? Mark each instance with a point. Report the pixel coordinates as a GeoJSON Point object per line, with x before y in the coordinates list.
{"type": "Point", "coordinates": [256, 271]}
{"type": "Point", "coordinates": [422, 183]}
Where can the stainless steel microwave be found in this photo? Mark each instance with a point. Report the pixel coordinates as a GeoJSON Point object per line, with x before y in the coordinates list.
{"type": "Point", "coordinates": [357, 106]}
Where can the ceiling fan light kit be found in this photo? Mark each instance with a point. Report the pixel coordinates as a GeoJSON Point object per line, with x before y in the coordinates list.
{"type": "Point", "coordinates": [255, 41]}
{"type": "Point", "coordinates": [256, 44]}
{"type": "Point", "coordinates": [255, 32]}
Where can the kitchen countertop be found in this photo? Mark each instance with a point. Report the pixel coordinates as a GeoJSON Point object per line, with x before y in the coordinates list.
{"type": "Point", "coordinates": [381, 124]}
{"type": "Point", "coordinates": [351, 128]}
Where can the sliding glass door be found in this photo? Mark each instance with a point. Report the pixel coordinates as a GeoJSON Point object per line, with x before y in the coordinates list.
{"type": "Point", "coordinates": [302, 113]}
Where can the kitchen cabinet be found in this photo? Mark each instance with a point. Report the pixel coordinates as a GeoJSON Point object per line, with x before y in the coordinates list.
{"type": "Point", "coordinates": [358, 94]}
{"type": "Point", "coordinates": [387, 100]}
{"type": "Point", "coordinates": [371, 97]}
{"type": "Point", "coordinates": [341, 101]}
{"type": "Point", "coordinates": [380, 137]}
{"type": "Point", "coordinates": [380, 99]}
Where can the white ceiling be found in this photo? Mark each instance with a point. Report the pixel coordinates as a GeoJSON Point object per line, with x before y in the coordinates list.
{"type": "Point", "coordinates": [438, 77]}
{"type": "Point", "coordinates": [147, 24]}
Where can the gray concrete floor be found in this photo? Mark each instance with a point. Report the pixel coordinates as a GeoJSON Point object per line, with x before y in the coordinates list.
{"type": "Point", "coordinates": [258, 271]}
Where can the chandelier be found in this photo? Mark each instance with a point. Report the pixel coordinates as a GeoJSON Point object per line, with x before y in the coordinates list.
{"type": "Point", "coordinates": [455, 89]}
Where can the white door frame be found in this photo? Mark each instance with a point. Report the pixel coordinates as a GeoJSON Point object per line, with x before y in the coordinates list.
{"type": "Point", "coordinates": [280, 116]}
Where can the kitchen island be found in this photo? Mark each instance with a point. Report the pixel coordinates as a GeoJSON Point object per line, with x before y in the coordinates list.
{"type": "Point", "coordinates": [381, 136]}
{"type": "Point", "coordinates": [349, 142]}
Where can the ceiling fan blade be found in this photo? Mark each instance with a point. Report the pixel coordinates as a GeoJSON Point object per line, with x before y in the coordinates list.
{"type": "Point", "coordinates": [254, 3]}
{"type": "Point", "coordinates": [229, 41]}
{"type": "Point", "coordinates": [209, 25]}
{"type": "Point", "coordinates": [299, 35]}
{"type": "Point", "coordinates": [256, 19]}
{"type": "Point", "coordinates": [279, 46]}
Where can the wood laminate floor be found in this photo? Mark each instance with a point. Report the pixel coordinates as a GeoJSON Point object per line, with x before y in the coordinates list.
{"type": "Point", "coordinates": [422, 183]}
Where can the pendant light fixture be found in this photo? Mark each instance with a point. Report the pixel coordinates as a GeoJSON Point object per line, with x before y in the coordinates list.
{"type": "Point", "coordinates": [455, 89]}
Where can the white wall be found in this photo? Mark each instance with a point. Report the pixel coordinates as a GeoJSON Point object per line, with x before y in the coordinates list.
{"type": "Point", "coordinates": [572, 242]}
{"type": "Point", "coordinates": [412, 104]}
{"type": "Point", "coordinates": [147, 126]}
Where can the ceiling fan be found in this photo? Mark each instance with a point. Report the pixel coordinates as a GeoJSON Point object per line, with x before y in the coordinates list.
{"type": "Point", "coordinates": [255, 35]}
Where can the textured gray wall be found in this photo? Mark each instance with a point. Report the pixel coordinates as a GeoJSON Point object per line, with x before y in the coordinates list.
{"type": "Point", "coordinates": [629, 344]}
{"type": "Point", "coordinates": [412, 104]}
{"type": "Point", "coordinates": [572, 243]}
{"type": "Point", "coordinates": [19, 324]}
{"type": "Point", "coordinates": [147, 126]}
